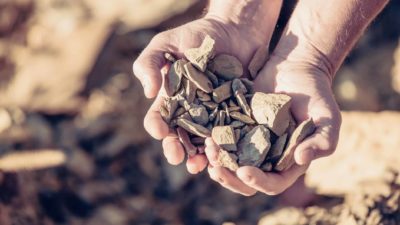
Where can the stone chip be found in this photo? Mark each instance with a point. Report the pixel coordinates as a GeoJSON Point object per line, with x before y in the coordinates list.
{"type": "Point", "coordinates": [272, 110]}
{"type": "Point", "coordinates": [227, 66]}
{"type": "Point", "coordinates": [224, 136]}
{"type": "Point", "coordinates": [199, 56]}
{"type": "Point", "coordinates": [228, 160]}
{"type": "Point", "coordinates": [193, 128]}
{"type": "Point", "coordinates": [254, 146]}
{"type": "Point", "coordinates": [198, 78]}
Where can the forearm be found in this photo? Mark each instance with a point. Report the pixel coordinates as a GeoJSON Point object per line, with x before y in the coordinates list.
{"type": "Point", "coordinates": [325, 31]}
{"type": "Point", "coordinates": [254, 15]}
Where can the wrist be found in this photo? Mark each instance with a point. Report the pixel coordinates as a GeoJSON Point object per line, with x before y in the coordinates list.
{"type": "Point", "coordinates": [256, 18]}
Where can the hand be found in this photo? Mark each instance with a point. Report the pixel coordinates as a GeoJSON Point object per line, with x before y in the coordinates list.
{"type": "Point", "coordinates": [147, 68]}
{"type": "Point", "coordinates": [309, 87]}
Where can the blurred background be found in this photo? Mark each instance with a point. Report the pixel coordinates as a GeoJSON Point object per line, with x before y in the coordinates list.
{"type": "Point", "coordinates": [68, 98]}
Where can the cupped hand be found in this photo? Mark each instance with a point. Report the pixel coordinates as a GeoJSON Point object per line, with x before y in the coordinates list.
{"type": "Point", "coordinates": [310, 89]}
{"type": "Point", "coordinates": [229, 38]}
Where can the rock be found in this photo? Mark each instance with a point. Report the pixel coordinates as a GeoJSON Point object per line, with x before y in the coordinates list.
{"type": "Point", "coordinates": [223, 92]}
{"type": "Point", "coordinates": [168, 108]}
{"type": "Point", "coordinates": [238, 86]}
{"type": "Point", "coordinates": [183, 136]}
{"type": "Point", "coordinates": [258, 61]}
{"type": "Point", "coordinates": [210, 105]}
{"type": "Point", "coordinates": [224, 136]}
{"type": "Point", "coordinates": [222, 117]}
{"type": "Point", "coordinates": [241, 100]}
{"type": "Point", "coordinates": [199, 114]}
{"type": "Point", "coordinates": [198, 78]}
{"type": "Point", "coordinates": [234, 108]}
{"type": "Point", "coordinates": [199, 56]}
{"type": "Point", "coordinates": [213, 78]}
{"type": "Point", "coordinates": [277, 148]}
{"type": "Point", "coordinates": [237, 124]}
{"type": "Point", "coordinates": [179, 111]}
{"type": "Point", "coordinates": [237, 134]}
{"type": "Point", "coordinates": [227, 66]}
{"type": "Point", "coordinates": [249, 85]}
{"type": "Point", "coordinates": [168, 56]}
{"type": "Point", "coordinates": [190, 90]}
{"type": "Point", "coordinates": [213, 115]}
{"type": "Point", "coordinates": [272, 110]}
{"type": "Point", "coordinates": [254, 146]}
{"type": "Point", "coordinates": [241, 117]}
{"type": "Point", "coordinates": [228, 160]}
{"type": "Point", "coordinates": [305, 129]}
{"type": "Point", "coordinates": [193, 128]}
{"type": "Point", "coordinates": [202, 96]}
{"type": "Point", "coordinates": [173, 79]}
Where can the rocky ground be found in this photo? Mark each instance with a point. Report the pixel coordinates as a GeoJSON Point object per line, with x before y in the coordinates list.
{"type": "Point", "coordinates": [67, 98]}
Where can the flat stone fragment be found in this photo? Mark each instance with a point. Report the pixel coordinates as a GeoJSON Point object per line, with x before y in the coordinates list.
{"type": "Point", "coordinates": [179, 111]}
{"type": "Point", "coordinates": [258, 61]}
{"type": "Point", "coordinates": [245, 130]}
{"type": "Point", "coordinates": [168, 108]}
{"type": "Point", "coordinates": [234, 108]}
{"type": "Point", "coordinates": [210, 105]}
{"type": "Point", "coordinates": [238, 86]}
{"type": "Point", "coordinates": [228, 160]}
{"type": "Point", "coordinates": [213, 78]}
{"type": "Point", "coordinates": [168, 56]}
{"type": "Point", "coordinates": [224, 136]}
{"type": "Point", "coordinates": [237, 135]}
{"type": "Point", "coordinates": [273, 110]}
{"type": "Point", "coordinates": [197, 140]}
{"type": "Point", "coordinates": [198, 78]}
{"type": "Point", "coordinates": [185, 116]}
{"type": "Point", "coordinates": [190, 90]}
{"type": "Point", "coordinates": [183, 136]}
{"type": "Point", "coordinates": [173, 79]}
{"type": "Point", "coordinates": [199, 56]}
{"type": "Point", "coordinates": [222, 118]}
{"type": "Point", "coordinates": [277, 148]}
{"type": "Point", "coordinates": [237, 124]}
{"type": "Point", "coordinates": [249, 85]}
{"type": "Point", "coordinates": [242, 117]}
{"type": "Point", "coordinates": [193, 128]}
{"type": "Point", "coordinates": [223, 92]}
{"type": "Point", "coordinates": [202, 96]}
{"type": "Point", "coordinates": [242, 102]}
{"type": "Point", "coordinates": [199, 114]}
{"type": "Point", "coordinates": [227, 66]}
{"type": "Point", "coordinates": [254, 146]}
{"type": "Point", "coordinates": [305, 129]}
{"type": "Point", "coordinates": [213, 115]}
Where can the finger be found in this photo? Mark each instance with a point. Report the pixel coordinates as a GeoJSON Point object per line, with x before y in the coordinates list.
{"type": "Point", "coordinates": [269, 183]}
{"type": "Point", "coordinates": [153, 122]}
{"type": "Point", "coordinates": [173, 150]}
{"type": "Point", "coordinates": [225, 177]}
{"type": "Point", "coordinates": [322, 143]}
{"type": "Point", "coordinates": [211, 151]}
{"type": "Point", "coordinates": [197, 163]}
{"type": "Point", "coordinates": [148, 65]}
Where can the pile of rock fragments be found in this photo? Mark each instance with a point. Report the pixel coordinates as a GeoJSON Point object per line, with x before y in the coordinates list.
{"type": "Point", "coordinates": [208, 97]}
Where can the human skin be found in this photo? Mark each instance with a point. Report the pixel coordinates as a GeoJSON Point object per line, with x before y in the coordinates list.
{"type": "Point", "coordinates": [230, 23]}
{"type": "Point", "coordinates": [317, 38]}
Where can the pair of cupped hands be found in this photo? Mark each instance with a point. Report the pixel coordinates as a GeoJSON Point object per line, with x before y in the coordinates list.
{"type": "Point", "coordinates": [307, 84]}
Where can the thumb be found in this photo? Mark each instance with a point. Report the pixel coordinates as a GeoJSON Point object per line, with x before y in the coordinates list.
{"type": "Point", "coordinates": [322, 143]}
{"type": "Point", "coordinates": [147, 67]}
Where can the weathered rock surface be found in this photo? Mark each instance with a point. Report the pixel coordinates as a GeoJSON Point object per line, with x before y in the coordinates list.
{"type": "Point", "coordinates": [305, 129]}
{"type": "Point", "coordinates": [228, 160]}
{"type": "Point", "coordinates": [272, 110]}
{"type": "Point", "coordinates": [199, 114]}
{"type": "Point", "coordinates": [174, 77]}
{"type": "Point", "coordinates": [227, 66]}
{"type": "Point", "coordinates": [193, 128]}
{"type": "Point", "coordinates": [224, 136]}
{"type": "Point", "coordinates": [199, 56]}
{"type": "Point", "coordinates": [222, 93]}
{"type": "Point", "coordinates": [254, 146]}
{"type": "Point", "coordinates": [198, 78]}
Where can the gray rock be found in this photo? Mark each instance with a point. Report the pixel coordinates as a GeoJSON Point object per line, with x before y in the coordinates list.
{"type": "Point", "coordinates": [227, 66]}
{"type": "Point", "coordinates": [199, 114]}
{"type": "Point", "coordinates": [254, 147]}
{"type": "Point", "coordinates": [199, 56]}
{"type": "Point", "coordinates": [224, 136]}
